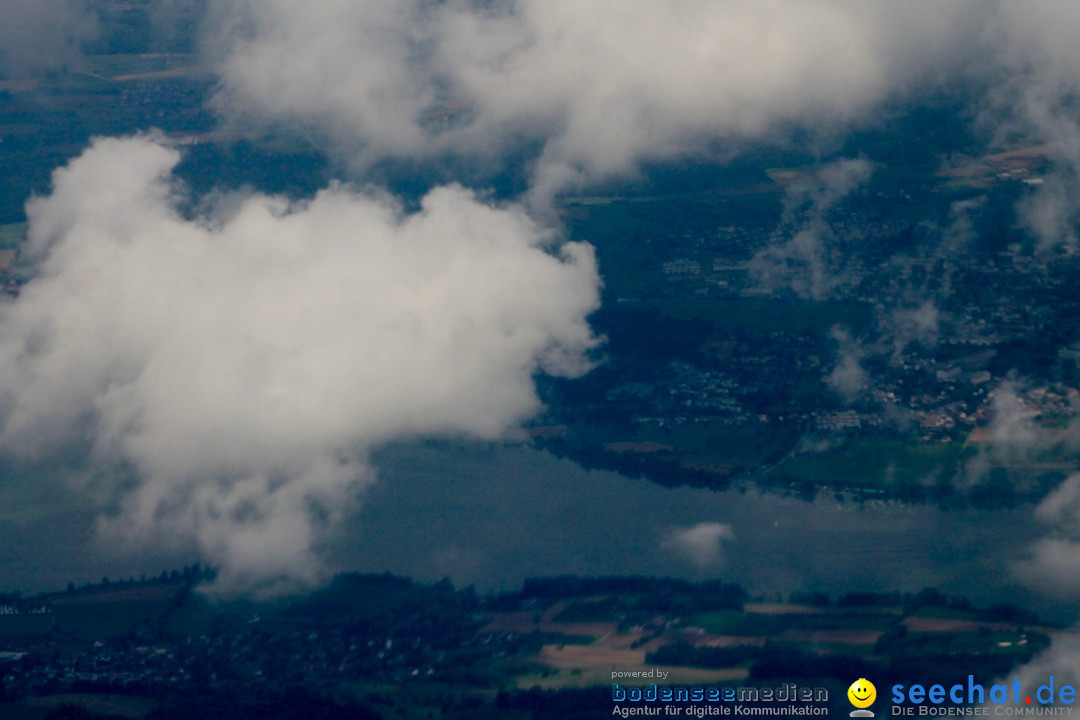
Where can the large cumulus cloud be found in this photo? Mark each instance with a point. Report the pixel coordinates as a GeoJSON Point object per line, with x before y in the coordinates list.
{"type": "Point", "coordinates": [245, 361]}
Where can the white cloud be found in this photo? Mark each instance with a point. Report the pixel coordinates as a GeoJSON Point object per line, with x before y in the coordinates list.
{"type": "Point", "coordinates": [848, 378]}
{"type": "Point", "coordinates": [245, 362]}
{"type": "Point", "coordinates": [701, 544]}
{"type": "Point", "coordinates": [805, 256]}
{"type": "Point", "coordinates": [1053, 564]}
{"type": "Point", "coordinates": [601, 85]}
{"type": "Point", "coordinates": [1061, 661]}
{"type": "Point", "coordinates": [1014, 440]}
{"type": "Point", "coordinates": [356, 71]}
{"type": "Point", "coordinates": [914, 324]}
{"type": "Point", "coordinates": [1034, 98]}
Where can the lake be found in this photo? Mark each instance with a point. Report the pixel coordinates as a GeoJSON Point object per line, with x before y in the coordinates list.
{"type": "Point", "coordinates": [492, 515]}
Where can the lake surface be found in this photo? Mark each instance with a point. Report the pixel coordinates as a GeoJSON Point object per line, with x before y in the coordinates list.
{"type": "Point", "coordinates": [494, 515]}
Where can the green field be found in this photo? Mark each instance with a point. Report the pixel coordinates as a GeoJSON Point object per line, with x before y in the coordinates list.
{"type": "Point", "coordinates": [747, 445]}
{"type": "Point", "coordinates": [730, 622]}
{"type": "Point", "coordinates": [876, 463]}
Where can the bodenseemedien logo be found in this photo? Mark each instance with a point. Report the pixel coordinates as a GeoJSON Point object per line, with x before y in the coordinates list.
{"type": "Point", "coordinates": [862, 695]}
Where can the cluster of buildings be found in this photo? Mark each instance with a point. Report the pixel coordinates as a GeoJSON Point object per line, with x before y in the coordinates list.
{"type": "Point", "coordinates": [246, 653]}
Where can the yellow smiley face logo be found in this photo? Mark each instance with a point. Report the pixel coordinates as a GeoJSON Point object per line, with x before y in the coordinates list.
{"type": "Point", "coordinates": [862, 693]}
